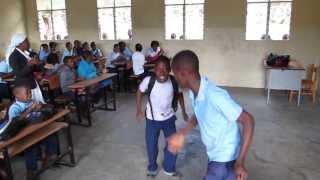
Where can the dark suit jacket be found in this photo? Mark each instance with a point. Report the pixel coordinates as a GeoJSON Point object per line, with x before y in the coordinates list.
{"type": "Point", "coordinates": [22, 70]}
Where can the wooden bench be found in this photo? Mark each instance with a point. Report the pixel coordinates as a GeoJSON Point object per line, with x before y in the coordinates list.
{"type": "Point", "coordinates": [32, 135]}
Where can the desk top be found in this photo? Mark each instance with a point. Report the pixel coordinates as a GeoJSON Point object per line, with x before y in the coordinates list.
{"type": "Point", "coordinates": [149, 65]}
{"type": "Point", "coordinates": [285, 68]}
{"type": "Point", "coordinates": [86, 83]}
{"type": "Point", "coordinates": [32, 128]}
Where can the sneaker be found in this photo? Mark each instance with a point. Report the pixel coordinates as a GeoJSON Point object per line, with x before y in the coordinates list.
{"type": "Point", "coordinates": [152, 173]}
{"type": "Point", "coordinates": [173, 174]}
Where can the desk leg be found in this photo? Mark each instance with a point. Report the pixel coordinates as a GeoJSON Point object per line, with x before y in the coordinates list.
{"type": "Point", "coordinates": [70, 144]}
{"type": "Point", "coordinates": [8, 164]}
{"type": "Point", "coordinates": [299, 97]}
{"type": "Point", "coordinates": [88, 109]}
{"type": "Point", "coordinates": [77, 101]}
{"type": "Point", "coordinates": [268, 96]}
{"type": "Point", "coordinates": [105, 98]}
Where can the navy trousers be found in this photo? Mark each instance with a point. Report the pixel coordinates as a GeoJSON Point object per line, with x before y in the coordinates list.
{"type": "Point", "coordinates": [220, 171]}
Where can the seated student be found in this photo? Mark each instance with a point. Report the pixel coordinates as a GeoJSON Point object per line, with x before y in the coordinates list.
{"type": "Point", "coordinates": [154, 52]}
{"type": "Point", "coordinates": [53, 59]}
{"type": "Point", "coordinates": [67, 52]}
{"type": "Point", "coordinates": [21, 110]}
{"type": "Point", "coordinates": [53, 48]}
{"type": "Point", "coordinates": [44, 52]}
{"type": "Point", "coordinates": [112, 57]}
{"type": "Point", "coordinates": [96, 52]}
{"type": "Point", "coordinates": [85, 46]}
{"type": "Point", "coordinates": [67, 76]}
{"type": "Point", "coordinates": [77, 48]}
{"type": "Point", "coordinates": [138, 61]}
{"type": "Point", "coordinates": [125, 51]}
{"type": "Point", "coordinates": [86, 68]}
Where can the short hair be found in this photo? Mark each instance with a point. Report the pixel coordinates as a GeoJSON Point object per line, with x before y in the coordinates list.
{"type": "Point", "coordinates": [115, 45]}
{"type": "Point", "coordinates": [138, 47]}
{"type": "Point", "coordinates": [52, 44]}
{"type": "Point", "coordinates": [155, 43]}
{"type": "Point", "coordinates": [33, 54]}
{"type": "Point", "coordinates": [92, 44]}
{"type": "Point", "coordinates": [53, 58]}
{"type": "Point", "coordinates": [165, 60]}
{"type": "Point", "coordinates": [18, 87]}
{"type": "Point", "coordinates": [85, 44]}
{"type": "Point", "coordinates": [66, 59]}
{"type": "Point", "coordinates": [186, 59]}
{"type": "Point", "coordinates": [86, 54]}
{"type": "Point", "coordinates": [68, 43]}
{"type": "Point", "coordinates": [122, 43]}
{"type": "Point", "coordinates": [44, 45]}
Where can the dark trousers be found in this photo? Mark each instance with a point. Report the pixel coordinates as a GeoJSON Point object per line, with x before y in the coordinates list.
{"type": "Point", "coordinates": [220, 171]}
{"type": "Point", "coordinates": [153, 129]}
{"type": "Point", "coordinates": [31, 155]}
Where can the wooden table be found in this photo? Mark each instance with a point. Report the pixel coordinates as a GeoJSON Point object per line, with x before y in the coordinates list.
{"type": "Point", "coordinates": [33, 134]}
{"type": "Point", "coordinates": [85, 86]}
{"type": "Point", "coordinates": [284, 79]}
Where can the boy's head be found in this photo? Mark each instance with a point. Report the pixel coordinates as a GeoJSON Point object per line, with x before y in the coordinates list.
{"type": "Point", "coordinates": [87, 55]}
{"type": "Point", "coordinates": [68, 60]}
{"type": "Point", "coordinates": [162, 69]}
{"type": "Point", "coordinates": [122, 46]}
{"type": "Point", "coordinates": [53, 58]}
{"type": "Point", "coordinates": [45, 47]}
{"type": "Point", "coordinates": [22, 93]}
{"type": "Point", "coordinates": [138, 47]}
{"type": "Point", "coordinates": [34, 55]}
{"type": "Point", "coordinates": [93, 45]}
{"type": "Point", "coordinates": [185, 64]}
{"type": "Point", "coordinates": [53, 46]}
{"type": "Point", "coordinates": [85, 46]}
{"type": "Point", "coordinates": [76, 43]}
{"type": "Point", "coordinates": [155, 45]}
{"type": "Point", "coordinates": [116, 48]}
{"type": "Point", "coordinates": [69, 46]}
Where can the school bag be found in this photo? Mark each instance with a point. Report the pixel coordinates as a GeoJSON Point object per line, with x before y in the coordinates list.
{"type": "Point", "coordinates": [175, 86]}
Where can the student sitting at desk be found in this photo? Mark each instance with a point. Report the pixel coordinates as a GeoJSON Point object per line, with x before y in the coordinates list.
{"type": "Point", "coordinates": [96, 52]}
{"type": "Point", "coordinates": [86, 68]}
{"type": "Point", "coordinates": [125, 51]}
{"type": "Point", "coordinates": [67, 76]}
{"type": "Point", "coordinates": [112, 57]}
{"type": "Point", "coordinates": [21, 110]}
{"type": "Point", "coordinates": [138, 61]}
{"type": "Point", "coordinates": [154, 52]}
{"type": "Point", "coordinates": [67, 52]}
{"type": "Point", "coordinates": [44, 52]}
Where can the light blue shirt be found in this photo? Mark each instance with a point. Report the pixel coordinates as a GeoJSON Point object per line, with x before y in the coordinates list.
{"type": "Point", "coordinates": [43, 55]}
{"type": "Point", "coordinates": [4, 67]}
{"type": "Point", "coordinates": [127, 53]}
{"type": "Point", "coordinates": [66, 53]}
{"type": "Point", "coordinates": [217, 114]}
{"type": "Point", "coordinates": [17, 108]}
{"type": "Point", "coordinates": [87, 70]}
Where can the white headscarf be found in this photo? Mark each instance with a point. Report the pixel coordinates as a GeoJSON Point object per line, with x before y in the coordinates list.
{"type": "Point", "coordinates": [16, 39]}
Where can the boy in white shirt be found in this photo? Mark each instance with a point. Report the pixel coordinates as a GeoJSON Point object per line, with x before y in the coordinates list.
{"type": "Point", "coordinates": [138, 61]}
{"type": "Point", "coordinates": [112, 57]}
{"type": "Point", "coordinates": [162, 91]}
{"type": "Point", "coordinates": [154, 52]}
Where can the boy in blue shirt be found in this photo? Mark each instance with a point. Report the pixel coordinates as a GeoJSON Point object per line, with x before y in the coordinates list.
{"type": "Point", "coordinates": [86, 68]}
{"type": "Point", "coordinates": [44, 52]}
{"type": "Point", "coordinates": [218, 117]}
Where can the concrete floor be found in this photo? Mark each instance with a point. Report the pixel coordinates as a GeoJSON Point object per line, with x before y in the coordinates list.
{"type": "Point", "coordinates": [286, 143]}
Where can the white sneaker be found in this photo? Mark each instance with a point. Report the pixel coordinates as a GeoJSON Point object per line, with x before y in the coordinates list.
{"type": "Point", "coordinates": [173, 174]}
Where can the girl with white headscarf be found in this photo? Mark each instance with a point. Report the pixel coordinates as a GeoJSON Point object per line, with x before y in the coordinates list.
{"type": "Point", "coordinates": [23, 65]}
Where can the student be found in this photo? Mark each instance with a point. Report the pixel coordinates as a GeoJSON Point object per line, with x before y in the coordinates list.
{"type": "Point", "coordinates": [218, 117]}
{"type": "Point", "coordinates": [67, 52]}
{"type": "Point", "coordinates": [53, 59]}
{"type": "Point", "coordinates": [85, 46]}
{"type": "Point", "coordinates": [44, 52]}
{"type": "Point", "coordinates": [162, 91]}
{"type": "Point", "coordinates": [67, 76]}
{"type": "Point", "coordinates": [154, 52]}
{"type": "Point", "coordinates": [53, 47]}
{"type": "Point", "coordinates": [112, 57]}
{"type": "Point", "coordinates": [77, 48]}
{"type": "Point", "coordinates": [86, 68]}
{"type": "Point", "coordinates": [138, 61]}
{"type": "Point", "coordinates": [96, 52]}
{"type": "Point", "coordinates": [125, 51]}
{"type": "Point", "coordinates": [20, 110]}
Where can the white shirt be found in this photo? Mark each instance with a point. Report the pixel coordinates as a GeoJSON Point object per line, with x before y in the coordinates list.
{"type": "Point", "coordinates": [138, 61]}
{"type": "Point", "coordinates": [112, 56]}
{"type": "Point", "coordinates": [161, 99]}
{"type": "Point", "coordinates": [153, 53]}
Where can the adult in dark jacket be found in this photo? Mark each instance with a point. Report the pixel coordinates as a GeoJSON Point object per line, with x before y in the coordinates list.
{"type": "Point", "coordinates": [23, 65]}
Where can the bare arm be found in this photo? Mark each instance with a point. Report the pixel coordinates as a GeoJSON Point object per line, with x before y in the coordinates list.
{"type": "Point", "coordinates": [247, 122]}
{"type": "Point", "coordinates": [139, 113]}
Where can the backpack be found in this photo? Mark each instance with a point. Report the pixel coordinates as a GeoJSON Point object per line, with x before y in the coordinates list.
{"type": "Point", "coordinates": [175, 86]}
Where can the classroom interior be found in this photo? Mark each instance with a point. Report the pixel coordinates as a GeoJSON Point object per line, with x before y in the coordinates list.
{"type": "Point", "coordinates": [286, 141]}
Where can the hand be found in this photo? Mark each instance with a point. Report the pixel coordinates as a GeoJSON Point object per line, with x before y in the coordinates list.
{"type": "Point", "coordinates": [32, 62]}
{"type": "Point", "coordinates": [240, 171]}
{"type": "Point", "coordinates": [48, 66]}
{"type": "Point", "coordinates": [140, 115]}
{"type": "Point", "coordinates": [185, 116]}
{"type": "Point", "coordinates": [176, 142]}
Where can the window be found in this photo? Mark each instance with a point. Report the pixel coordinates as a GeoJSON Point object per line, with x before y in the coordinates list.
{"type": "Point", "coordinates": [268, 19]}
{"type": "Point", "coordinates": [52, 21]}
{"type": "Point", "coordinates": [114, 18]}
{"type": "Point", "coordinates": [184, 19]}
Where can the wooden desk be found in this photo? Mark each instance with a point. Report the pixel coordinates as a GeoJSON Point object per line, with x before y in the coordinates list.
{"type": "Point", "coordinates": [85, 85]}
{"type": "Point", "coordinates": [284, 79]}
{"type": "Point", "coordinates": [32, 135]}
{"type": "Point", "coordinates": [149, 65]}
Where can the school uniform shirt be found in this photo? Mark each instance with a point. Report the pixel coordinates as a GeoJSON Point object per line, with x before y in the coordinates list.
{"type": "Point", "coordinates": [96, 53]}
{"type": "Point", "coordinates": [152, 53]}
{"type": "Point", "coordinates": [161, 98]}
{"type": "Point", "coordinates": [127, 53]}
{"type": "Point", "coordinates": [87, 70]}
{"type": "Point", "coordinates": [67, 77]}
{"type": "Point", "coordinates": [66, 53]}
{"type": "Point", "coordinates": [112, 56]}
{"type": "Point", "coordinates": [4, 67]}
{"type": "Point", "coordinates": [138, 61]}
{"type": "Point", "coordinates": [217, 115]}
{"type": "Point", "coordinates": [43, 55]}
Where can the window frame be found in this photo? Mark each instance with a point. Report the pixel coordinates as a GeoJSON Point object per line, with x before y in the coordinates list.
{"type": "Point", "coordinates": [269, 2]}
{"type": "Point", "coordinates": [184, 21]}
{"type": "Point", "coordinates": [51, 16]}
{"type": "Point", "coordinates": [114, 7]}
